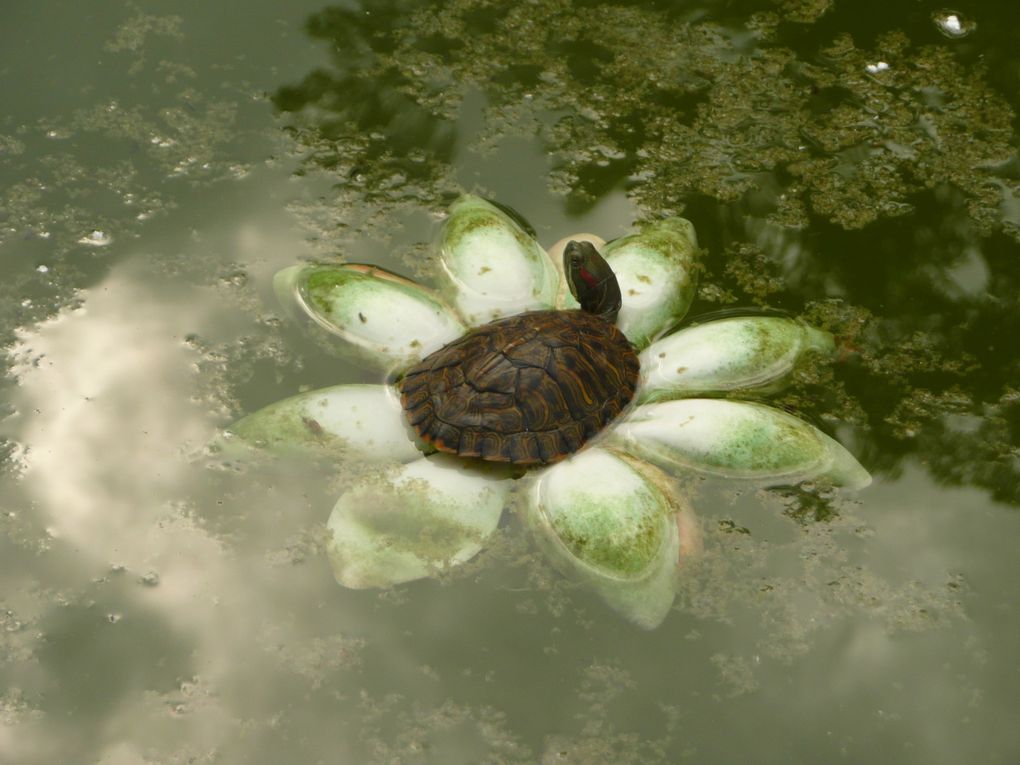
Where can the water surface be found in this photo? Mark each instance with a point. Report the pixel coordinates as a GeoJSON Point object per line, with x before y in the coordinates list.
{"type": "Point", "coordinates": [159, 163]}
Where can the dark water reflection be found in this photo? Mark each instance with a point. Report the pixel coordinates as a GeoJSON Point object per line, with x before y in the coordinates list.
{"type": "Point", "coordinates": [163, 605]}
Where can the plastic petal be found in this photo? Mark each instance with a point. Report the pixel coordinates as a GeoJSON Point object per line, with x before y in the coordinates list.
{"type": "Point", "coordinates": [656, 270]}
{"type": "Point", "coordinates": [415, 522]}
{"type": "Point", "coordinates": [492, 266]}
{"type": "Point", "coordinates": [615, 524]}
{"type": "Point", "coordinates": [361, 421]}
{"type": "Point", "coordinates": [742, 353]}
{"type": "Point", "coordinates": [383, 319]}
{"type": "Point", "coordinates": [737, 439]}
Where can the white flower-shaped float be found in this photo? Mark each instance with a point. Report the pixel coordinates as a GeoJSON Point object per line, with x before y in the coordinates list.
{"type": "Point", "coordinates": [556, 361]}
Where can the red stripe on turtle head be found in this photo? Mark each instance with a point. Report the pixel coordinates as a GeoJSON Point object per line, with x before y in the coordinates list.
{"type": "Point", "coordinates": [588, 276]}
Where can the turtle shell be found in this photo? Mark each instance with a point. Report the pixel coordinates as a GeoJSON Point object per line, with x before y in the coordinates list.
{"type": "Point", "coordinates": [528, 389]}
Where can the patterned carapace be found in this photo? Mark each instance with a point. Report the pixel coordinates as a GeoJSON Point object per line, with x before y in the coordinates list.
{"type": "Point", "coordinates": [528, 389]}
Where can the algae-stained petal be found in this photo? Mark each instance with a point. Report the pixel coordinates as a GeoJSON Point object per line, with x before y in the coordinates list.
{"type": "Point", "coordinates": [414, 522]}
{"type": "Point", "coordinates": [383, 318]}
{"type": "Point", "coordinates": [357, 421]}
{"type": "Point", "coordinates": [492, 266]}
{"type": "Point", "coordinates": [612, 522]}
{"type": "Point", "coordinates": [738, 439]}
{"type": "Point", "coordinates": [740, 353]}
{"type": "Point", "coordinates": [656, 269]}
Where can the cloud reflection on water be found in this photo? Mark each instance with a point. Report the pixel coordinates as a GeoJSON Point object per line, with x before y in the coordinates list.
{"type": "Point", "coordinates": [108, 430]}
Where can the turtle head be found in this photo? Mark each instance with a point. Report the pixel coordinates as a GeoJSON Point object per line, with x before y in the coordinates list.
{"type": "Point", "coordinates": [591, 280]}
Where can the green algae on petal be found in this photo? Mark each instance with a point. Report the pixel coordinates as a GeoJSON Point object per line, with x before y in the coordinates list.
{"type": "Point", "coordinates": [739, 440]}
{"type": "Point", "coordinates": [656, 271]}
{"type": "Point", "coordinates": [493, 267]}
{"type": "Point", "coordinates": [415, 522]}
{"type": "Point", "coordinates": [384, 319]}
{"type": "Point", "coordinates": [741, 353]}
{"type": "Point", "coordinates": [615, 524]}
{"type": "Point", "coordinates": [360, 421]}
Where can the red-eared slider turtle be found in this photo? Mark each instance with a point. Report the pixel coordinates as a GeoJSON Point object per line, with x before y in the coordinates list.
{"type": "Point", "coordinates": [531, 388]}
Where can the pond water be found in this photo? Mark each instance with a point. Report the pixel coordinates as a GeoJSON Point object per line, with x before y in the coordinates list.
{"type": "Point", "coordinates": [854, 163]}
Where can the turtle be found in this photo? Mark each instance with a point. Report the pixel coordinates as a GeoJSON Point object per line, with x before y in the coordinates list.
{"type": "Point", "coordinates": [533, 388]}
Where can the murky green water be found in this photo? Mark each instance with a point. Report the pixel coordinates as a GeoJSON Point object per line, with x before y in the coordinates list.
{"type": "Point", "coordinates": [844, 161]}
